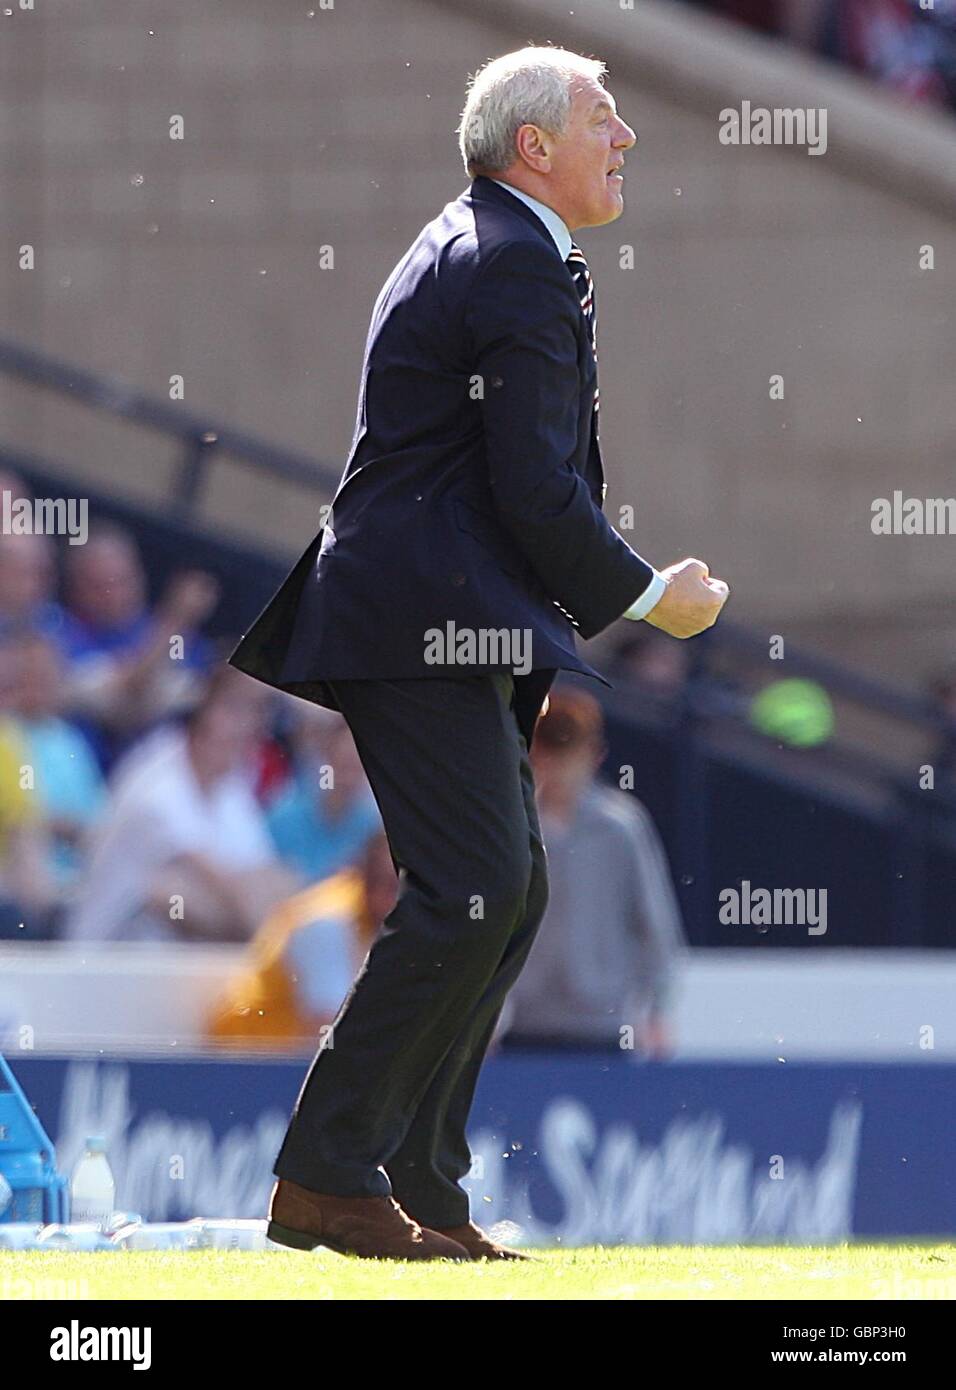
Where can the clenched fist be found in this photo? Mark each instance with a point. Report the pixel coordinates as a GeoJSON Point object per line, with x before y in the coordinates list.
{"type": "Point", "coordinates": [691, 601]}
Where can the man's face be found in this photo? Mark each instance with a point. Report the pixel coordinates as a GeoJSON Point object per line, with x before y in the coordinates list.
{"type": "Point", "coordinates": [562, 774]}
{"type": "Point", "coordinates": [227, 732]}
{"type": "Point", "coordinates": [585, 191]}
{"type": "Point", "coordinates": [27, 574]}
{"type": "Point", "coordinates": [106, 584]}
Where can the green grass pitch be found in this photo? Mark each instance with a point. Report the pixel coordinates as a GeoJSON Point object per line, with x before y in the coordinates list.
{"type": "Point", "coordinates": [918, 1272]}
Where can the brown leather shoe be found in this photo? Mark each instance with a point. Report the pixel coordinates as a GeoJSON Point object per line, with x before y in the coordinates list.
{"type": "Point", "coordinates": [479, 1244]}
{"type": "Point", "coordinates": [373, 1227]}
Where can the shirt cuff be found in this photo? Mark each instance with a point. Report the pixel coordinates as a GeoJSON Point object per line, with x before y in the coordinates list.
{"type": "Point", "coordinates": [650, 597]}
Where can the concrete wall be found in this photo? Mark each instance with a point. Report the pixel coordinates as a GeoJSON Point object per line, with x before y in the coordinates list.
{"type": "Point", "coordinates": [201, 257]}
{"type": "Point", "coordinates": [745, 1005]}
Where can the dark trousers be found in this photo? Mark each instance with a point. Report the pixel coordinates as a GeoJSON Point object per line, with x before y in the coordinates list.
{"type": "Point", "coordinates": [384, 1107]}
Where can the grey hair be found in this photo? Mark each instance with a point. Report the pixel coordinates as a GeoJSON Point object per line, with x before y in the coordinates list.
{"type": "Point", "coordinates": [529, 87]}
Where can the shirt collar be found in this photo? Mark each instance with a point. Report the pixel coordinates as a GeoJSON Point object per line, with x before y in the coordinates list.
{"type": "Point", "coordinates": [559, 232]}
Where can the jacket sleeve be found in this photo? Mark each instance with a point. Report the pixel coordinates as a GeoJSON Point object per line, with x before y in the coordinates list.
{"type": "Point", "coordinates": [523, 317]}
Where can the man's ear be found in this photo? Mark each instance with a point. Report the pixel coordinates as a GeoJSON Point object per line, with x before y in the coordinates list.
{"type": "Point", "coordinates": [534, 149]}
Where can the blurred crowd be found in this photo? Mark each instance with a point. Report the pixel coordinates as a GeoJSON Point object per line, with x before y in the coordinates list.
{"type": "Point", "coordinates": [151, 793]}
{"type": "Point", "coordinates": [138, 773]}
{"type": "Point", "coordinates": [905, 45]}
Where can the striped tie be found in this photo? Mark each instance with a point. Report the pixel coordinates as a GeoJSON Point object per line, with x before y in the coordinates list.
{"type": "Point", "coordinates": [584, 285]}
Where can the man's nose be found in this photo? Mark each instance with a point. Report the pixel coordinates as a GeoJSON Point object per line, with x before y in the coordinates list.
{"type": "Point", "coordinates": [625, 137]}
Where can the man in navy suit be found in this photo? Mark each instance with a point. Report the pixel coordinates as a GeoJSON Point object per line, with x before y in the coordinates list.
{"type": "Point", "coordinates": [465, 546]}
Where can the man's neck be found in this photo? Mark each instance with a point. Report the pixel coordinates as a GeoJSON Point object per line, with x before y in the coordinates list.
{"type": "Point", "coordinates": [553, 221]}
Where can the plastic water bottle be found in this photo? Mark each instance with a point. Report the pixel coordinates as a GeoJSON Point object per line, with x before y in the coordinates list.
{"type": "Point", "coordinates": [80, 1235]}
{"type": "Point", "coordinates": [92, 1189]}
{"type": "Point", "coordinates": [18, 1235]}
{"type": "Point", "coordinates": [160, 1235]}
{"type": "Point", "coordinates": [219, 1234]}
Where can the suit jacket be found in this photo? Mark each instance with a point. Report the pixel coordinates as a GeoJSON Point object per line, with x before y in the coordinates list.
{"type": "Point", "coordinates": [472, 494]}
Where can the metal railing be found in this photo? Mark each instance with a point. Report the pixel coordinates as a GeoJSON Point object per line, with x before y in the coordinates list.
{"type": "Point", "coordinates": [201, 439]}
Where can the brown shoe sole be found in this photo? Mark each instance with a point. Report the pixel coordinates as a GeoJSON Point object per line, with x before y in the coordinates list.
{"type": "Point", "coordinates": [304, 1240]}
{"type": "Point", "coordinates": [296, 1240]}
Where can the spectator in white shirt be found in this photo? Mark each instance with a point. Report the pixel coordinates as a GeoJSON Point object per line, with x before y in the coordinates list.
{"type": "Point", "coordinates": [183, 852]}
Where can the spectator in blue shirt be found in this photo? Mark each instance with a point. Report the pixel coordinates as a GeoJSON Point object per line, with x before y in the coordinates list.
{"type": "Point", "coordinates": [130, 668]}
{"type": "Point", "coordinates": [68, 784]}
{"type": "Point", "coordinates": [321, 820]}
{"type": "Point", "coordinates": [28, 585]}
